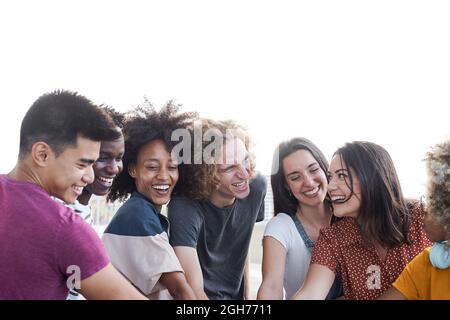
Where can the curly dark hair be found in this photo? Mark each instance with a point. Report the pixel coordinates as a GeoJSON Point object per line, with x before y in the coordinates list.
{"type": "Point", "coordinates": [198, 178]}
{"type": "Point", "coordinates": [116, 116]}
{"type": "Point", "coordinates": [59, 117]}
{"type": "Point", "coordinates": [144, 124]}
{"type": "Point", "coordinates": [438, 187]}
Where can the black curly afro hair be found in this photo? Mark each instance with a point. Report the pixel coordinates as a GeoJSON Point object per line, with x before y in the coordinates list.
{"type": "Point", "coordinates": [142, 125]}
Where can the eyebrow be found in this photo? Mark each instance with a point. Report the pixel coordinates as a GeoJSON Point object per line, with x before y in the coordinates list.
{"type": "Point", "coordinates": [229, 166]}
{"type": "Point", "coordinates": [109, 153]}
{"type": "Point", "coordinates": [341, 170]}
{"type": "Point", "coordinates": [86, 161]}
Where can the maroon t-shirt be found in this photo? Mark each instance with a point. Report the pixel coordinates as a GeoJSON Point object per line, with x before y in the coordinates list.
{"type": "Point", "coordinates": [43, 244]}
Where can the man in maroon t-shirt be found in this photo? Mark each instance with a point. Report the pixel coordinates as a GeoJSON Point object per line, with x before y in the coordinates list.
{"type": "Point", "coordinates": [45, 248]}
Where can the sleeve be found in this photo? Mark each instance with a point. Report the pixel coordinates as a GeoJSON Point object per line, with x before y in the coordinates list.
{"type": "Point", "coordinates": [259, 184]}
{"type": "Point", "coordinates": [142, 260]}
{"type": "Point", "coordinates": [78, 245]}
{"type": "Point", "coordinates": [413, 279]}
{"type": "Point", "coordinates": [185, 222]}
{"type": "Point", "coordinates": [324, 254]}
{"type": "Point", "coordinates": [277, 229]}
{"type": "Point", "coordinates": [139, 247]}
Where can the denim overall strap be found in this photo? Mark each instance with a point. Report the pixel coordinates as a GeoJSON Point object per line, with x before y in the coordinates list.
{"type": "Point", "coordinates": [308, 242]}
{"type": "Point", "coordinates": [336, 288]}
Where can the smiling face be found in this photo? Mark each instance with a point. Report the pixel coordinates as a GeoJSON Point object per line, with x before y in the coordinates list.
{"type": "Point", "coordinates": [233, 173]}
{"type": "Point", "coordinates": [305, 178]}
{"type": "Point", "coordinates": [65, 176]}
{"type": "Point", "coordinates": [155, 173]}
{"type": "Point", "coordinates": [108, 166]}
{"type": "Point", "coordinates": [345, 202]}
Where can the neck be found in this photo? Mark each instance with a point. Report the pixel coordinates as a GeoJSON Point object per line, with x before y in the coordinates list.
{"type": "Point", "coordinates": [317, 216]}
{"type": "Point", "coordinates": [23, 172]}
{"type": "Point", "coordinates": [84, 197]}
{"type": "Point", "coordinates": [219, 200]}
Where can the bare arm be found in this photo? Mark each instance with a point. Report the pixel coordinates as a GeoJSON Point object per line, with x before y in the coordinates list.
{"type": "Point", "coordinates": [392, 294]}
{"type": "Point", "coordinates": [273, 265]}
{"type": "Point", "coordinates": [189, 262]}
{"type": "Point", "coordinates": [177, 285]}
{"type": "Point", "coordinates": [109, 284]}
{"type": "Point", "coordinates": [317, 284]}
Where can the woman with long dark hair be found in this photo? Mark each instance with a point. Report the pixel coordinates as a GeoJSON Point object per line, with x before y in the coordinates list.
{"type": "Point", "coordinates": [377, 234]}
{"type": "Point", "coordinates": [301, 207]}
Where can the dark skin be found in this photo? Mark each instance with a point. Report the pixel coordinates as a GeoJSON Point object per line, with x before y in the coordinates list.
{"type": "Point", "coordinates": [106, 168]}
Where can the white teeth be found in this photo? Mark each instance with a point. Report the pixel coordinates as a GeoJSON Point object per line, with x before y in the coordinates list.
{"type": "Point", "coordinates": [106, 180]}
{"type": "Point", "coordinates": [240, 184]}
{"type": "Point", "coordinates": [161, 187]}
{"type": "Point", "coordinates": [78, 189]}
{"type": "Point", "coordinates": [313, 191]}
{"type": "Point", "coordinates": [337, 198]}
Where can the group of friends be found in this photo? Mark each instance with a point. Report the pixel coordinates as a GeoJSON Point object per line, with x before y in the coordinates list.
{"type": "Point", "coordinates": [341, 230]}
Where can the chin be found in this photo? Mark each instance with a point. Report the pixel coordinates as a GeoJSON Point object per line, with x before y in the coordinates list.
{"type": "Point", "coordinates": [242, 195]}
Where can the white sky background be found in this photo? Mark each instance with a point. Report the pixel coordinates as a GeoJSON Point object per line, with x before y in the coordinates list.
{"type": "Point", "coordinates": [330, 71]}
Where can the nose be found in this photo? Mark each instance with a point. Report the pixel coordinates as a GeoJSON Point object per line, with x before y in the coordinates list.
{"type": "Point", "coordinates": [309, 181]}
{"type": "Point", "coordinates": [89, 175]}
{"type": "Point", "coordinates": [331, 185]}
{"type": "Point", "coordinates": [243, 172]}
{"type": "Point", "coordinates": [163, 174]}
{"type": "Point", "coordinates": [113, 167]}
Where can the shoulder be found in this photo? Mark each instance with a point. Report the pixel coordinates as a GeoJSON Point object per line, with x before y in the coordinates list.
{"type": "Point", "coordinates": [281, 223]}
{"type": "Point", "coordinates": [183, 206]}
{"type": "Point", "coordinates": [281, 220]}
{"type": "Point", "coordinates": [343, 231]}
{"type": "Point", "coordinates": [423, 258]}
{"type": "Point", "coordinates": [258, 184]}
{"type": "Point", "coordinates": [136, 217]}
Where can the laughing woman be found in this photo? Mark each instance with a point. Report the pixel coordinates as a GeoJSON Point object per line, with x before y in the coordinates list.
{"type": "Point", "coordinates": [137, 237]}
{"type": "Point", "coordinates": [299, 185]}
{"type": "Point", "coordinates": [377, 234]}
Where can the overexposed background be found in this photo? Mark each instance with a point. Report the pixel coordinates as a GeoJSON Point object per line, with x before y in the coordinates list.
{"type": "Point", "coordinates": [331, 71]}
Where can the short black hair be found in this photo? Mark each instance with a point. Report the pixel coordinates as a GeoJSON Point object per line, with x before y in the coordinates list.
{"type": "Point", "coordinates": [58, 118]}
{"type": "Point", "coordinates": [117, 117]}
{"type": "Point", "coordinates": [143, 125]}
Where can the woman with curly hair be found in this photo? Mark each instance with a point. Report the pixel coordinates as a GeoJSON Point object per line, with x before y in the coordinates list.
{"type": "Point", "coordinates": [213, 217]}
{"type": "Point", "coordinates": [378, 231]}
{"type": "Point", "coordinates": [427, 277]}
{"type": "Point", "coordinates": [137, 237]}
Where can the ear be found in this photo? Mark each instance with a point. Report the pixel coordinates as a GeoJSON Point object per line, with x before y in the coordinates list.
{"type": "Point", "coordinates": [40, 153]}
{"type": "Point", "coordinates": [132, 170]}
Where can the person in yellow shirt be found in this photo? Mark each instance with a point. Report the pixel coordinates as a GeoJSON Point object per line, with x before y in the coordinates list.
{"type": "Point", "coordinates": [427, 276]}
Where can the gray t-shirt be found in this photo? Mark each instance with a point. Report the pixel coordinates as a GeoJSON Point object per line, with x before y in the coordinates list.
{"type": "Point", "coordinates": [221, 237]}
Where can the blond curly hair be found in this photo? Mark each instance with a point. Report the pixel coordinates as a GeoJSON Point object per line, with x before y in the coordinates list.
{"type": "Point", "coordinates": [198, 180]}
{"type": "Point", "coordinates": [438, 187]}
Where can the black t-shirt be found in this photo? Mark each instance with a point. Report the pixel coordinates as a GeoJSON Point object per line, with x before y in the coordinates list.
{"type": "Point", "coordinates": [221, 237]}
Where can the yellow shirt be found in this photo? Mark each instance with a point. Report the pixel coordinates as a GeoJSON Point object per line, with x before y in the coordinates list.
{"type": "Point", "coordinates": [421, 281]}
